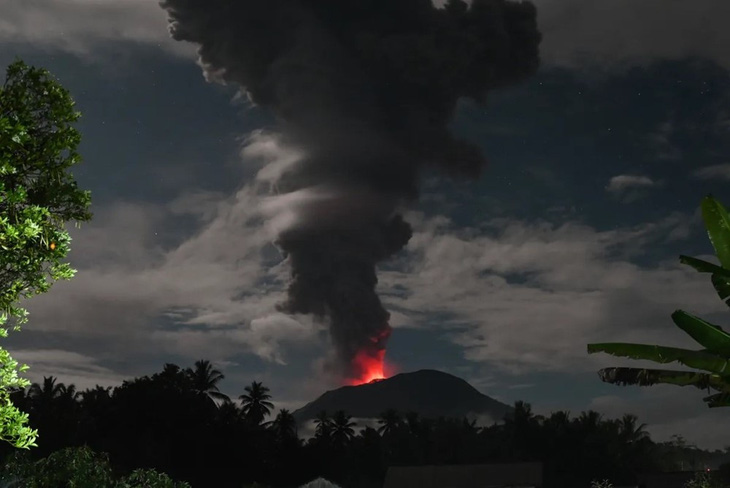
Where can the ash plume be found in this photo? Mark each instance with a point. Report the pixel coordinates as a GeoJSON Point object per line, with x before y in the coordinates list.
{"type": "Point", "coordinates": [364, 90]}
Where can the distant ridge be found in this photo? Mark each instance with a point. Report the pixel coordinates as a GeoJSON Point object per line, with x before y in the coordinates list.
{"type": "Point", "coordinates": [428, 392]}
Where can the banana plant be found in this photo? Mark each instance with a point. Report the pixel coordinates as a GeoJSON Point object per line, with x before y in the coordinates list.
{"type": "Point", "coordinates": [714, 357]}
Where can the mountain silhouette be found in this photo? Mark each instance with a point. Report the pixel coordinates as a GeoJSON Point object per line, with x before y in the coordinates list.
{"type": "Point", "coordinates": [428, 392]}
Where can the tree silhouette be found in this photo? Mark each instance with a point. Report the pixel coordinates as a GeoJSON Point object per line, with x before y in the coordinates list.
{"type": "Point", "coordinates": [323, 422]}
{"type": "Point", "coordinates": [205, 380]}
{"type": "Point", "coordinates": [255, 403]}
{"type": "Point", "coordinates": [284, 426]}
{"type": "Point", "coordinates": [342, 429]}
{"type": "Point", "coordinates": [43, 395]}
{"type": "Point", "coordinates": [629, 431]}
{"type": "Point", "coordinates": [389, 422]}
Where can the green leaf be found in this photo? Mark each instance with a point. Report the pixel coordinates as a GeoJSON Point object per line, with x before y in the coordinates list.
{"type": "Point", "coordinates": [649, 377]}
{"type": "Point", "coordinates": [717, 223]}
{"type": "Point", "coordinates": [694, 359]}
{"type": "Point", "coordinates": [722, 286]}
{"type": "Point", "coordinates": [703, 266]}
{"type": "Point", "coordinates": [706, 334]}
{"type": "Point", "coordinates": [718, 400]}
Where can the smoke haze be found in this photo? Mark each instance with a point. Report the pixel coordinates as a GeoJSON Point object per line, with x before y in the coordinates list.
{"type": "Point", "coordinates": [363, 92]}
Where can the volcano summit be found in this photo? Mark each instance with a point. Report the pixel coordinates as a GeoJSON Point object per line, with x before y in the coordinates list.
{"type": "Point", "coordinates": [428, 392]}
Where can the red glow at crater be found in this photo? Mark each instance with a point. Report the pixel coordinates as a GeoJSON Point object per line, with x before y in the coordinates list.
{"type": "Point", "coordinates": [369, 363]}
{"type": "Point", "coordinates": [371, 366]}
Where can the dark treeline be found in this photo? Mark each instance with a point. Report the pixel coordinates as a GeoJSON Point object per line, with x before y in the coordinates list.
{"type": "Point", "coordinates": [178, 422]}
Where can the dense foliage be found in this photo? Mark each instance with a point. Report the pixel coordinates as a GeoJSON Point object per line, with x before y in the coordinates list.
{"type": "Point", "coordinates": [37, 197]}
{"type": "Point", "coordinates": [177, 422]}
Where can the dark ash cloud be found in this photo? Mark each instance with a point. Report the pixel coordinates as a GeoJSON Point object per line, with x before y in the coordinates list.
{"type": "Point", "coordinates": [364, 91]}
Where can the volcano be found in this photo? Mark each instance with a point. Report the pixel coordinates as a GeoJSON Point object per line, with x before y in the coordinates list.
{"type": "Point", "coordinates": [429, 393]}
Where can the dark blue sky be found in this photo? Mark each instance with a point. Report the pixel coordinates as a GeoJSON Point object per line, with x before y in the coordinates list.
{"type": "Point", "coordinates": [597, 166]}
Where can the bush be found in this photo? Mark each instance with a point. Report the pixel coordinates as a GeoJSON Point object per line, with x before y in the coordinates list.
{"type": "Point", "coordinates": [79, 467]}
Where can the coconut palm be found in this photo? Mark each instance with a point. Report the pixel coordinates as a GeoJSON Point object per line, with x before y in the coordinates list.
{"type": "Point", "coordinates": [629, 432]}
{"type": "Point", "coordinates": [324, 425]}
{"type": "Point", "coordinates": [389, 422]}
{"type": "Point", "coordinates": [256, 405]}
{"type": "Point", "coordinates": [205, 380]}
{"type": "Point", "coordinates": [284, 425]}
{"type": "Point", "coordinates": [342, 428]}
{"type": "Point", "coordinates": [43, 396]}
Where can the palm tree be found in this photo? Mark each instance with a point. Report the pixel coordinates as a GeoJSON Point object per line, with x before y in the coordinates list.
{"type": "Point", "coordinates": [173, 377]}
{"type": "Point", "coordinates": [284, 425]}
{"type": "Point", "coordinates": [42, 396]}
{"type": "Point", "coordinates": [389, 421]}
{"type": "Point", "coordinates": [589, 421]}
{"type": "Point", "coordinates": [342, 429]}
{"type": "Point", "coordinates": [205, 380]}
{"type": "Point", "coordinates": [324, 425]}
{"type": "Point", "coordinates": [629, 432]}
{"type": "Point", "coordinates": [256, 405]}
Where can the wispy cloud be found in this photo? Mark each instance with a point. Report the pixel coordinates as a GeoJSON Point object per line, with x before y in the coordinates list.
{"type": "Point", "coordinates": [523, 296]}
{"type": "Point", "coordinates": [78, 26]}
{"type": "Point", "coordinates": [629, 188]}
{"type": "Point", "coordinates": [717, 171]}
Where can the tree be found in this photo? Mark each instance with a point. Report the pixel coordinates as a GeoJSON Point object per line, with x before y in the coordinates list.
{"type": "Point", "coordinates": [715, 357]}
{"type": "Point", "coordinates": [205, 380]}
{"type": "Point", "coordinates": [284, 426]}
{"type": "Point", "coordinates": [342, 429]}
{"type": "Point", "coordinates": [256, 404]}
{"type": "Point", "coordinates": [324, 425]}
{"type": "Point", "coordinates": [37, 196]}
{"type": "Point", "coordinates": [389, 421]}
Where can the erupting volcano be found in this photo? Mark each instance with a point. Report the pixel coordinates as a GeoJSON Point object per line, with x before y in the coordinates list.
{"type": "Point", "coordinates": [368, 364]}
{"type": "Point", "coordinates": [364, 91]}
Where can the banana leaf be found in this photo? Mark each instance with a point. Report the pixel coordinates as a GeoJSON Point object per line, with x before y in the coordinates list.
{"type": "Point", "coordinates": [722, 287]}
{"type": "Point", "coordinates": [704, 266]}
{"type": "Point", "coordinates": [648, 377]}
{"type": "Point", "coordinates": [703, 360]}
{"type": "Point", "coordinates": [706, 334]}
{"type": "Point", "coordinates": [718, 400]}
{"type": "Point", "coordinates": [717, 223]}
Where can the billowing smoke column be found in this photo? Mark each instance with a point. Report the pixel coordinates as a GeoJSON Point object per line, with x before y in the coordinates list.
{"type": "Point", "coordinates": [365, 90]}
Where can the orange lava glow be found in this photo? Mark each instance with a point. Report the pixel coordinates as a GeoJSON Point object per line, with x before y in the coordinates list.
{"type": "Point", "coordinates": [372, 367]}
{"type": "Point", "coordinates": [369, 363]}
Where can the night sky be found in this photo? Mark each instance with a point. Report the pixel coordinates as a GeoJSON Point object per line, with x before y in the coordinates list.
{"type": "Point", "coordinates": [596, 168]}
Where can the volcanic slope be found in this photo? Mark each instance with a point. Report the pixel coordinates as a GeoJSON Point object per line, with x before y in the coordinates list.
{"type": "Point", "coordinates": [428, 392]}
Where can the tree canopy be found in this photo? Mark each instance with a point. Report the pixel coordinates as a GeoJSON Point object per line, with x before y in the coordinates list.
{"type": "Point", "coordinates": [37, 197]}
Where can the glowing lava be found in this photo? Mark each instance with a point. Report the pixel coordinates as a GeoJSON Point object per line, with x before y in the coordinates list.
{"type": "Point", "coordinates": [369, 363]}
{"type": "Point", "coordinates": [371, 367]}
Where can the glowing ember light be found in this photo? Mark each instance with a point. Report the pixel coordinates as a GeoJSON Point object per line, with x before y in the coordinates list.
{"type": "Point", "coordinates": [371, 367]}
{"type": "Point", "coordinates": [370, 363]}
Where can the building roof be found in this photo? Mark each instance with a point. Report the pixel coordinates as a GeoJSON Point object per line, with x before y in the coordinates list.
{"type": "Point", "coordinates": [320, 483]}
{"type": "Point", "coordinates": [465, 476]}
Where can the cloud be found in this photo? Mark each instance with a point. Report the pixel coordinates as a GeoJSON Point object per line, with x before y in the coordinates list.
{"type": "Point", "coordinates": [78, 26]}
{"type": "Point", "coordinates": [212, 294]}
{"type": "Point", "coordinates": [629, 188]}
{"type": "Point", "coordinates": [68, 367]}
{"type": "Point", "coordinates": [574, 31]}
{"type": "Point", "coordinates": [579, 31]}
{"type": "Point", "coordinates": [520, 296]}
{"type": "Point", "coordinates": [714, 172]}
{"type": "Point", "coordinates": [661, 141]}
